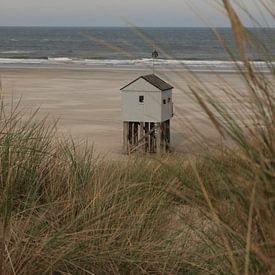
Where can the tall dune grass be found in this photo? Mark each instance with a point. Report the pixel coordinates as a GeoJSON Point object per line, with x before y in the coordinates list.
{"type": "Point", "coordinates": [64, 210]}
{"type": "Point", "coordinates": [237, 188]}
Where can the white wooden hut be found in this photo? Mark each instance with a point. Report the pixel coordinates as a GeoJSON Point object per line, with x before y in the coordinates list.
{"type": "Point", "coordinates": [147, 108]}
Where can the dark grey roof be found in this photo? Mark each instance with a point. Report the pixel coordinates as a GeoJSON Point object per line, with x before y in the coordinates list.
{"type": "Point", "coordinates": [154, 80]}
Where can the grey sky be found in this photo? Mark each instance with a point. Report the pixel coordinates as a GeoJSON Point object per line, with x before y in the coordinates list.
{"type": "Point", "coordinates": [184, 13]}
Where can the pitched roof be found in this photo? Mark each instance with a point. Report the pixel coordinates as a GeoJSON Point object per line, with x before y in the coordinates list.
{"type": "Point", "coordinates": [154, 80]}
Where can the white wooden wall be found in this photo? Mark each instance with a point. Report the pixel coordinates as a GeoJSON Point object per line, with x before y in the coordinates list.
{"type": "Point", "coordinates": [152, 110]}
{"type": "Point", "coordinates": [167, 109]}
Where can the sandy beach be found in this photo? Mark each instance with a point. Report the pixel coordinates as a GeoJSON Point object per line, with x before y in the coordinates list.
{"type": "Point", "coordinates": [87, 102]}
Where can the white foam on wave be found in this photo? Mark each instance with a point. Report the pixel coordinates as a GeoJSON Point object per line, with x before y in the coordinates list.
{"type": "Point", "coordinates": [15, 52]}
{"type": "Point", "coordinates": [22, 61]}
{"type": "Point", "coordinates": [195, 65]}
{"type": "Point", "coordinates": [60, 59]}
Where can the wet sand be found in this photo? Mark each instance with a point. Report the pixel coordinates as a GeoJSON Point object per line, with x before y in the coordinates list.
{"type": "Point", "coordinates": [87, 102]}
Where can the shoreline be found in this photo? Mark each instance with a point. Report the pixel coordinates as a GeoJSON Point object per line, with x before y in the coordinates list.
{"type": "Point", "coordinates": [200, 69]}
{"type": "Point", "coordinates": [15, 67]}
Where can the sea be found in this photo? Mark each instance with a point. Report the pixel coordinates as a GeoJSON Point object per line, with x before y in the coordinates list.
{"type": "Point", "coordinates": [196, 49]}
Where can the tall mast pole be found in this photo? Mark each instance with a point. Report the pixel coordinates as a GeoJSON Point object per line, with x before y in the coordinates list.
{"type": "Point", "coordinates": [155, 55]}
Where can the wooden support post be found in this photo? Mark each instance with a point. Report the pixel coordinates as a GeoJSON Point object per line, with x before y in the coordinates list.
{"type": "Point", "coordinates": [168, 134]}
{"type": "Point", "coordinates": [130, 134]}
{"type": "Point", "coordinates": [125, 137]}
{"type": "Point", "coordinates": [135, 134]}
{"type": "Point", "coordinates": [147, 138]}
{"type": "Point", "coordinates": [141, 135]}
{"type": "Point", "coordinates": [152, 138]}
{"type": "Point", "coordinates": [163, 143]}
{"type": "Point", "coordinates": [158, 137]}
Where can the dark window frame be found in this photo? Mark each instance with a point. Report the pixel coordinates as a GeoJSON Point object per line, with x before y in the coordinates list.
{"type": "Point", "coordinates": [141, 99]}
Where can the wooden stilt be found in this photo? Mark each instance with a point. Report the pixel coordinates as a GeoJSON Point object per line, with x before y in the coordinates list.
{"type": "Point", "coordinates": [163, 143]}
{"type": "Point", "coordinates": [146, 136]}
{"type": "Point", "coordinates": [141, 135]}
{"type": "Point", "coordinates": [135, 134]}
{"type": "Point", "coordinates": [158, 137]}
{"type": "Point", "coordinates": [125, 137]}
{"type": "Point", "coordinates": [152, 135]}
{"type": "Point", "coordinates": [130, 133]}
{"type": "Point", "coordinates": [148, 139]}
{"type": "Point", "coordinates": [168, 134]}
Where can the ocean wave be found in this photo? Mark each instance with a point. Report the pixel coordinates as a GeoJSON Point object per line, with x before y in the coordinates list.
{"type": "Point", "coordinates": [60, 59]}
{"type": "Point", "coordinates": [23, 61]}
{"type": "Point", "coordinates": [15, 52]}
{"type": "Point", "coordinates": [193, 65]}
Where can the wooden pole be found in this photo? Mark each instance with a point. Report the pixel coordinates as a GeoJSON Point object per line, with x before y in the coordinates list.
{"type": "Point", "coordinates": [125, 137]}
{"type": "Point", "coordinates": [132, 135]}
{"type": "Point", "coordinates": [141, 135]}
{"type": "Point", "coordinates": [168, 134]}
{"type": "Point", "coordinates": [162, 137]}
{"type": "Point", "coordinates": [158, 138]}
{"type": "Point", "coordinates": [135, 134]}
{"type": "Point", "coordinates": [152, 138]}
{"type": "Point", "coordinates": [147, 138]}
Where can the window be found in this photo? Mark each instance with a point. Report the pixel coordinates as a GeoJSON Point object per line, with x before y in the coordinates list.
{"type": "Point", "coordinates": [141, 99]}
{"type": "Point", "coordinates": [164, 101]}
{"type": "Point", "coordinates": [169, 99]}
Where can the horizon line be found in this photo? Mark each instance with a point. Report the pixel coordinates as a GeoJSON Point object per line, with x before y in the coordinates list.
{"type": "Point", "coordinates": [107, 26]}
{"type": "Point", "coordinates": [117, 26]}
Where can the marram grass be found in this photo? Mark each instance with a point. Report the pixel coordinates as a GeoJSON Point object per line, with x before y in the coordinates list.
{"type": "Point", "coordinates": [64, 210]}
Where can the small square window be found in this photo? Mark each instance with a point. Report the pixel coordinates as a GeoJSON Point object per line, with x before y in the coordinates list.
{"type": "Point", "coordinates": [164, 101]}
{"type": "Point", "coordinates": [141, 99]}
{"type": "Point", "coordinates": [169, 99]}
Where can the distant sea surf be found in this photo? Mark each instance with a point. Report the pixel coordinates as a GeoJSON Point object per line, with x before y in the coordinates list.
{"type": "Point", "coordinates": [195, 49]}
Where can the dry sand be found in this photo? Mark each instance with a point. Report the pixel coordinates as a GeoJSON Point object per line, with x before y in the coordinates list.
{"type": "Point", "coordinates": [87, 102]}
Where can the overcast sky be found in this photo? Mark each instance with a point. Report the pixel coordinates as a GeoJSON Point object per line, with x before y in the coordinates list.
{"type": "Point", "coordinates": [182, 13]}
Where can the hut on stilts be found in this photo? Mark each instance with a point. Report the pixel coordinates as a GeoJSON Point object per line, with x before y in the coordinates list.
{"type": "Point", "coordinates": [147, 109]}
